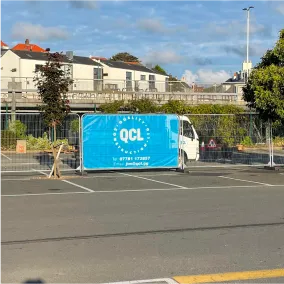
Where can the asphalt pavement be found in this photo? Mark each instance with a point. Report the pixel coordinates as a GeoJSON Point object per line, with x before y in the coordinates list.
{"type": "Point", "coordinates": [123, 226]}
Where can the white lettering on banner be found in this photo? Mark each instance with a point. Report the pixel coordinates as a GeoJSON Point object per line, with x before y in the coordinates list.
{"type": "Point", "coordinates": [132, 135]}
{"type": "Point", "coordinates": [123, 136]}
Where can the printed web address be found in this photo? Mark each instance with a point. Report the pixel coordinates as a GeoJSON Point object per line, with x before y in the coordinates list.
{"type": "Point", "coordinates": [137, 164]}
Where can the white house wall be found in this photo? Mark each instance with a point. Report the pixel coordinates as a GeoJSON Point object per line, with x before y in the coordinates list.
{"type": "Point", "coordinates": [27, 72]}
{"type": "Point", "coordinates": [9, 61]}
{"type": "Point", "coordinates": [83, 76]}
{"type": "Point", "coordinates": [117, 76]}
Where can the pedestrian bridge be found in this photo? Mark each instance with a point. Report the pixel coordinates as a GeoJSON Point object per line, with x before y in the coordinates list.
{"type": "Point", "coordinates": [87, 99]}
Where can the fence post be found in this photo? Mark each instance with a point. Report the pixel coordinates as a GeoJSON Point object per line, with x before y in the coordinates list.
{"type": "Point", "coordinates": [271, 154]}
{"type": "Point", "coordinates": [13, 105]}
{"type": "Point", "coordinates": [81, 172]}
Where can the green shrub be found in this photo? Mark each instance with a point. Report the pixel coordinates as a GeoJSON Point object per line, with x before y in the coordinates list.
{"type": "Point", "coordinates": [247, 141]}
{"type": "Point", "coordinates": [74, 126]}
{"type": "Point", "coordinates": [42, 143]}
{"type": "Point", "coordinates": [113, 107]}
{"type": "Point", "coordinates": [175, 107]}
{"type": "Point", "coordinates": [278, 141]}
{"type": "Point", "coordinates": [18, 128]}
{"type": "Point", "coordinates": [142, 106]}
{"type": "Point", "coordinates": [8, 140]}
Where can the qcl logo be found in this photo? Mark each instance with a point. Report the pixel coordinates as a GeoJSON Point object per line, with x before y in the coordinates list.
{"type": "Point", "coordinates": [131, 135]}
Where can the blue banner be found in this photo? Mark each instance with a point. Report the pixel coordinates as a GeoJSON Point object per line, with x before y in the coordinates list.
{"type": "Point", "coordinates": [132, 141]}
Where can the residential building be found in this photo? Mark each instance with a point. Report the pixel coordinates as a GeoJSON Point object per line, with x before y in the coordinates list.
{"type": "Point", "coordinates": [235, 84]}
{"type": "Point", "coordinates": [27, 46]}
{"type": "Point", "coordinates": [23, 65]}
{"type": "Point", "coordinates": [4, 45]}
{"type": "Point", "coordinates": [131, 76]}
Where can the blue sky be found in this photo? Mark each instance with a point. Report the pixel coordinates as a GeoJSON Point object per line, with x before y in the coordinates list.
{"type": "Point", "coordinates": [203, 40]}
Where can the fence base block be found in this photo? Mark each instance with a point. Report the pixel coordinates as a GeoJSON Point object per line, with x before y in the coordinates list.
{"type": "Point", "coordinates": [273, 168]}
{"type": "Point", "coordinates": [179, 170]}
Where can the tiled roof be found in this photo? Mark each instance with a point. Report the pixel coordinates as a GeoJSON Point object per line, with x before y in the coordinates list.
{"type": "Point", "coordinates": [3, 44]}
{"type": "Point", "coordinates": [232, 80]}
{"type": "Point", "coordinates": [28, 47]}
{"type": "Point", "coordinates": [43, 56]}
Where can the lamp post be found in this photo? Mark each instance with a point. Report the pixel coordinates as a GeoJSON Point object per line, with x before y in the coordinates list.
{"type": "Point", "coordinates": [247, 61]}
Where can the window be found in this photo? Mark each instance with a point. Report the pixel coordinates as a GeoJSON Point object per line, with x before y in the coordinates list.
{"type": "Point", "coordinates": [187, 129]}
{"type": "Point", "coordinates": [143, 78]}
{"type": "Point", "coordinates": [37, 67]}
{"type": "Point", "coordinates": [167, 85]}
{"type": "Point", "coordinates": [129, 81]}
{"type": "Point", "coordinates": [128, 76]}
{"type": "Point", "coordinates": [151, 82]}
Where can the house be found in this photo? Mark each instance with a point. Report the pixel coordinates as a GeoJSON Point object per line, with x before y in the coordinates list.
{"type": "Point", "coordinates": [130, 76]}
{"type": "Point", "coordinates": [27, 46]}
{"type": "Point", "coordinates": [88, 74]}
{"type": "Point", "coordinates": [4, 45]}
{"type": "Point", "coordinates": [235, 84]}
{"type": "Point", "coordinates": [23, 65]}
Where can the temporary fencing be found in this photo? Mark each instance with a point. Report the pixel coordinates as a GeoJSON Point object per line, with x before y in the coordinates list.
{"type": "Point", "coordinates": [26, 142]}
{"type": "Point", "coordinates": [237, 139]}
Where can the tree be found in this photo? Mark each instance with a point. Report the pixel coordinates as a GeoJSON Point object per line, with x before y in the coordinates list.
{"type": "Point", "coordinates": [159, 69]}
{"type": "Point", "coordinates": [265, 88]}
{"type": "Point", "coordinates": [125, 57]}
{"type": "Point", "coordinates": [53, 84]}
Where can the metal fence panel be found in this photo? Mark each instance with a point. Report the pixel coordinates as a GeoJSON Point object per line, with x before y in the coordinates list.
{"type": "Point", "coordinates": [231, 140]}
{"type": "Point", "coordinates": [37, 155]}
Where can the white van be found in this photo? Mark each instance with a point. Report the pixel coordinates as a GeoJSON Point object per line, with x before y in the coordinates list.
{"type": "Point", "coordinates": [188, 141]}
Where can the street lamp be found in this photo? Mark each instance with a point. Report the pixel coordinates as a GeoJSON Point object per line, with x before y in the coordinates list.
{"type": "Point", "coordinates": [247, 9]}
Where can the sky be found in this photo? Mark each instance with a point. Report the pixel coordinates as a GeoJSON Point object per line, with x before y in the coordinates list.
{"type": "Point", "coordinates": [202, 41]}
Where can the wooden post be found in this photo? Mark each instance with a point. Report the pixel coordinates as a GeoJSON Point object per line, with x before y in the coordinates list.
{"type": "Point", "coordinates": [55, 167]}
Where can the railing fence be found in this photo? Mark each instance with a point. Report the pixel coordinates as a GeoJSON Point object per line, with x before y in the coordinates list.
{"type": "Point", "coordinates": [224, 140]}
{"type": "Point", "coordinates": [26, 142]}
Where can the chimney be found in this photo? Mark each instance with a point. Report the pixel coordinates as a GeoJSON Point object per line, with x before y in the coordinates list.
{"type": "Point", "coordinates": [149, 65]}
{"type": "Point", "coordinates": [27, 42]}
{"type": "Point", "coordinates": [69, 55]}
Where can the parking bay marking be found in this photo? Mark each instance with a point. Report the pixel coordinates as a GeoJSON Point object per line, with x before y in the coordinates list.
{"type": "Point", "coordinates": [237, 179]}
{"type": "Point", "coordinates": [67, 181]}
{"type": "Point", "coordinates": [153, 180]}
{"type": "Point", "coordinates": [6, 157]}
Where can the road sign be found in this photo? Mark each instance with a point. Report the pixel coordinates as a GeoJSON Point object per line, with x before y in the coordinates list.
{"type": "Point", "coordinates": [211, 144]}
{"type": "Point", "coordinates": [130, 141]}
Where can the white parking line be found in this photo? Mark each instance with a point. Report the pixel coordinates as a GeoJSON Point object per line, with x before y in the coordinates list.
{"type": "Point", "coordinates": [153, 180]}
{"type": "Point", "coordinates": [6, 157]}
{"type": "Point", "coordinates": [237, 179]}
{"type": "Point", "coordinates": [44, 194]}
{"type": "Point", "coordinates": [67, 181]}
{"type": "Point", "coordinates": [13, 179]}
{"type": "Point", "coordinates": [138, 190]}
{"type": "Point", "coordinates": [140, 175]}
{"type": "Point", "coordinates": [78, 185]}
{"type": "Point", "coordinates": [167, 280]}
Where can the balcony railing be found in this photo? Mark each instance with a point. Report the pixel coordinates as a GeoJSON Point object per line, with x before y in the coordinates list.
{"type": "Point", "coordinates": [26, 84]}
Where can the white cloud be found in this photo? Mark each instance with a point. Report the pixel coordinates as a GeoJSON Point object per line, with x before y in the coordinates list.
{"type": "Point", "coordinates": [237, 28]}
{"type": "Point", "coordinates": [280, 9]}
{"type": "Point", "coordinates": [22, 30]}
{"type": "Point", "coordinates": [206, 76]}
{"type": "Point", "coordinates": [91, 5]}
{"type": "Point", "coordinates": [151, 25]}
{"type": "Point", "coordinates": [162, 57]}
